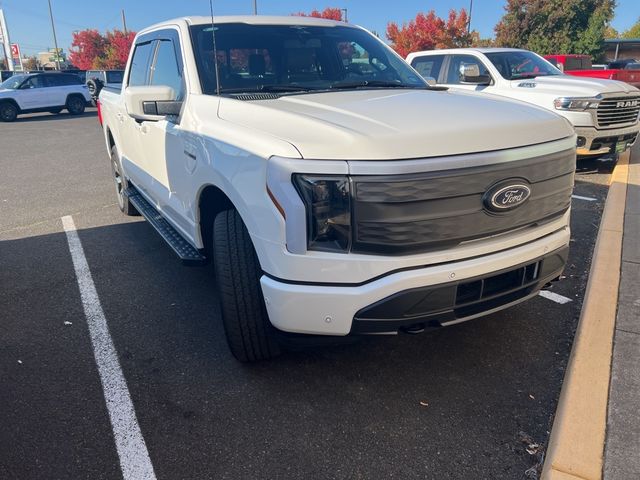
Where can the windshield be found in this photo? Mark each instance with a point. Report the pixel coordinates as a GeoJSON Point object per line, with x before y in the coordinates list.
{"type": "Point", "coordinates": [521, 64]}
{"type": "Point", "coordinates": [12, 83]}
{"type": "Point", "coordinates": [296, 59]}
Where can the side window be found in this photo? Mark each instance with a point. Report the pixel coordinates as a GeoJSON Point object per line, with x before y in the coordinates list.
{"type": "Point", "coordinates": [62, 80]}
{"type": "Point", "coordinates": [166, 69]}
{"type": "Point", "coordinates": [573, 63]}
{"type": "Point", "coordinates": [428, 66]}
{"type": "Point", "coordinates": [53, 81]}
{"type": "Point", "coordinates": [456, 64]}
{"type": "Point", "coordinates": [34, 82]}
{"type": "Point", "coordinates": [139, 72]}
{"type": "Point", "coordinates": [114, 77]}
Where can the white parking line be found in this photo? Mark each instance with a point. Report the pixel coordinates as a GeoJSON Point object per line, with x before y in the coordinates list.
{"type": "Point", "coordinates": [588, 199]}
{"type": "Point", "coordinates": [554, 297]}
{"type": "Point", "coordinates": [132, 451]}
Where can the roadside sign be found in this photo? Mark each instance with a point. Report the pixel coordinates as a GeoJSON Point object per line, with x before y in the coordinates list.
{"type": "Point", "coordinates": [17, 58]}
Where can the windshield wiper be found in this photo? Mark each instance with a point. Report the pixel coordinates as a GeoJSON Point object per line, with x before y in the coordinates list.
{"type": "Point", "coordinates": [269, 88]}
{"type": "Point", "coordinates": [285, 88]}
{"type": "Point", "coordinates": [520, 76]}
{"type": "Point", "coordinates": [373, 83]}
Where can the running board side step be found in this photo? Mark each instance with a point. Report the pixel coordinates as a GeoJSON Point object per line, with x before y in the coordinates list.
{"type": "Point", "coordinates": [187, 253]}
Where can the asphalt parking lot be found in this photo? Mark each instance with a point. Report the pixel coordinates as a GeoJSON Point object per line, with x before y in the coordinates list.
{"type": "Point", "coordinates": [475, 400]}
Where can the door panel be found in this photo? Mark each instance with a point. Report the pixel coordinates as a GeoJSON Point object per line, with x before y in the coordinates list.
{"type": "Point", "coordinates": [32, 93]}
{"type": "Point", "coordinates": [131, 129]}
{"type": "Point", "coordinates": [163, 141]}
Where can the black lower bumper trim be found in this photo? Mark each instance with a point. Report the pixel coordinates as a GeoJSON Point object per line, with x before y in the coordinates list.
{"type": "Point", "coordinates": [434, 305]}
{"type": "Point", "coordinates": [611, 142]}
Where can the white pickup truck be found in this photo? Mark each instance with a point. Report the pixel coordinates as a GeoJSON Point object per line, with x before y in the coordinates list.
{"type": "Point", "coordinates": [604, 113]}
{"type": "Point", "coordinates": [333, 190]}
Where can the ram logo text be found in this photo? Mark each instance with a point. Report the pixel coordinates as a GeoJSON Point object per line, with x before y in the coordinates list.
{"type": "Point", "coordinates": [628, 103]}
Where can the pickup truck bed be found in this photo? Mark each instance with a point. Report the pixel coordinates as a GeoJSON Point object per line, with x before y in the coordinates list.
{"type": "Point", "coordinates": [632, 77]}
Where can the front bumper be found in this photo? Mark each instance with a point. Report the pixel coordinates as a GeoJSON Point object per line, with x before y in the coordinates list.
{"type": "Point", "coordinates": [331, 309]}
{"type": "Point", "coordinates": [592, 142]}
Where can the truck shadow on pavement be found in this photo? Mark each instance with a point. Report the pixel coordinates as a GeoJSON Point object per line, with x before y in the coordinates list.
{"type": "Point", "coordinates": [457, 401]}
{"type": "Point", "coordinates": [47, 117]}
{"type": "Point", "coordinates": [601, 165]}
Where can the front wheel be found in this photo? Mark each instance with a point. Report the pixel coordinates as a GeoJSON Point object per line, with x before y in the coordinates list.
{"type": "Point", "coordinates": [8, 112]}
{"type": "Point", "coordinates": [75, 105]}
{"type": "Point", "coordinates": [250, 335]}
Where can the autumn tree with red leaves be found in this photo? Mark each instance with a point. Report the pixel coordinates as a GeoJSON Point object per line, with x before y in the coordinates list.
{"type": "Point", "coordinates": [330, 13]}
{"type": "Point", "coordinates": [92, 50]}
{"type": "Point", "coordinates": [428, 31]}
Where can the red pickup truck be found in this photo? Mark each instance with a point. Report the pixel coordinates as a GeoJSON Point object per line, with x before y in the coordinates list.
{"type": "Point", "coordinates": [580, 66]}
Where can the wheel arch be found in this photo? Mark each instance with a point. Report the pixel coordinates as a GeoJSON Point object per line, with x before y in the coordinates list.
{"type": "Point", "coordinates": [74, 94]}
{"type": "Point", "coordinates": [211, 201]}
{"type": "Point", "coordinates": [110, 140]}
{"type": "Point", "coordinates": [12, 101]}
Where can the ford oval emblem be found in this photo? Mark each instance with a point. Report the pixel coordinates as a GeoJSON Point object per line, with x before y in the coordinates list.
{"type": "Point", "coordinates": [506, 197]}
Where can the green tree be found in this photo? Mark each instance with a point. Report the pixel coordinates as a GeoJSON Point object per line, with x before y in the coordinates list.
{"type": "Point", "coordinates": [633, 32]}
{"type": "Point", "coordinates": [611, 32]}
{"type": "Point", "coordinates": [555, 26]}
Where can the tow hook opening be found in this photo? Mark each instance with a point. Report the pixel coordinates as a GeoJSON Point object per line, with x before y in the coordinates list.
{"type": "Point", "coordinates": [414, 329]}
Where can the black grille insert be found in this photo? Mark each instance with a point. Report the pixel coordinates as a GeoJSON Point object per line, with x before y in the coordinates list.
{"type": "Point", "coordinates": [412, 213]}
{"type": "Point", "coordinates": [430, 306]}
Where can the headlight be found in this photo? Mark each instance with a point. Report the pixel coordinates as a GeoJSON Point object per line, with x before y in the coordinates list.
{"type": "Point", "coordinates": [568, 103]}
{"type": "Point", "coordinates": [328, 205]}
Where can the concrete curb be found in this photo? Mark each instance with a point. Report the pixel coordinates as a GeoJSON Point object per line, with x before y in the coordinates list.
{"type": "Point", "coordinates": [576, 446]}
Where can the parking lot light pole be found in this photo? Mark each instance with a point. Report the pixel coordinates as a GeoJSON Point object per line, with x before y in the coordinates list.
{"type": "Point", "coordinates": [255, 7]}
{"type": "Point", "coordinates": [55, 40]}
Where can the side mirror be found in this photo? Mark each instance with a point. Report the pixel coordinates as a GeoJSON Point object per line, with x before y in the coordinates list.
{"type": "Point", "coordinates": [151, 102]}
{"type": "Point", "coordinates": [430, 81]}
{"type": "Point", "coordinates": [470, 74]}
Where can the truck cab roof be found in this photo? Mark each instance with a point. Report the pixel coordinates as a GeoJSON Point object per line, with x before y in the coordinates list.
{"type": "Point", "coordinates": [465, 50]}
{"type": "Point", "coordinates": [249, 19]}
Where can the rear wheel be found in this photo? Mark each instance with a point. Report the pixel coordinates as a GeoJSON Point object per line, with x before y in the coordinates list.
{"type": "Point", "coordinates": [8, 112]}
{"type": "Point", "coordinates": [75, 105]}
{"type": "Point", "coordinates": [250, 335]}
{"type": "Point", "coordinates": [121, 185]}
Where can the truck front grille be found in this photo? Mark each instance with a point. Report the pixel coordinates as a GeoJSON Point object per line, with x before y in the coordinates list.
{"type": "Point", "coordinates": [420, 212]}
{"type": "Point", "coordinates": [618, 111]}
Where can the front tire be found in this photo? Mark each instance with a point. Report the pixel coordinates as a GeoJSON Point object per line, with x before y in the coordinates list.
{"type": "Point", "coordinates": [250, 335]}
{"type": "Point", "coordinates": [76, 105]}
{"type": "Point", "coordinates": [8, 112]}
{"type": "Point", "coordinates": [121, 185]}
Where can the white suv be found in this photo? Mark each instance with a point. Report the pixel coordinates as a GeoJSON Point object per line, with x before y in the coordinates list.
{"type": "Point", "coordinates": [42, 92]}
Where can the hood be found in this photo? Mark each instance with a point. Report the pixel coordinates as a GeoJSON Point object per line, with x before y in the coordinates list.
{"type": "Point", "coordinates": [568, 85]}
{"type": "Point", "coordinates": [396, 124]}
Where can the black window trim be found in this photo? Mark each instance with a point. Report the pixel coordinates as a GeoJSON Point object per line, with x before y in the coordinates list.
{"type": "Point", "coordinates": [445, 73]}
{"type": "Point", "coordinates": [169, 33]}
